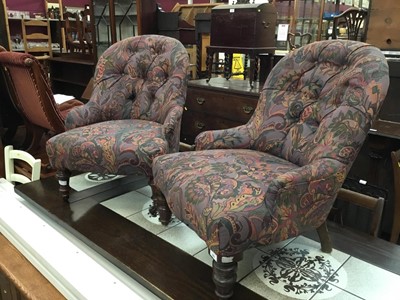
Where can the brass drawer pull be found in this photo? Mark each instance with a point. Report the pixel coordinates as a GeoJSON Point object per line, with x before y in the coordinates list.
{"type": "Point", "coordinates": [248, 109]}
{"type": "Point", "coordinates": [200, 125]}
{"type": "Point", "coordinates": [200, 100]}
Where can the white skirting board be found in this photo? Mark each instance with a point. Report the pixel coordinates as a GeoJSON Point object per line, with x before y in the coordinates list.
{"type": "Point", "coordinates": [77, 271]}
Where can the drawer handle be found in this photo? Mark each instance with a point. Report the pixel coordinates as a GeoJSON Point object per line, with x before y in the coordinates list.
{"type": "Point", "coordinates": [200, 125]}
{"type": "Point", "coordinates": [248, 109]}
{"type": "Point", "coordinates": [200, 100]}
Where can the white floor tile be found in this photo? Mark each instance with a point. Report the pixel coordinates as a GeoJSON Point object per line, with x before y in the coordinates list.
{"type": "Point", "coordinates": [146, 190]}
{"type": "Point", "coordinates": [338, 294]}
{"type": "Point", "coordinates": [150, 223]}
{"type": "Point", "coordinates": [184, 238]}
{"type": "Point", "coordinates": [245, 266]}
{"type": "Point", "coordinates": [370, 282]}
{"type": "Point", "coordinates": [82, 182]}
{"type": "Point", "coordinates": [128, 204]}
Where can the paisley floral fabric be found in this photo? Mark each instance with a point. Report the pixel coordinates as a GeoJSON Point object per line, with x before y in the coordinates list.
{"type": "Point", "coordinates": [134, 113]}
{"type": "Point", "coordinates": [278, 175]}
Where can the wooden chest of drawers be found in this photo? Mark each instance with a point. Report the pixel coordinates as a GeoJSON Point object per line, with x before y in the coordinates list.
{"type": "Point", "coordinates": [218, 104]}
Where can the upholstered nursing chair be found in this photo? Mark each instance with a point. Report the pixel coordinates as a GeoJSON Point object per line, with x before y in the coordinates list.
{"type": "Point", "coordinates": [278, 175]}
{"type": "Point", "coordinates": [133, 115]}
{"type": "Point", "coordinates": [30, 92]}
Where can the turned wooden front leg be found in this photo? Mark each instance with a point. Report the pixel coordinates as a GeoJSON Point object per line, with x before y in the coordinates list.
{"type": "Point", "coordinates": [63, 181]}
{"type": "Point", "coordinates": [326, 244]}
{"type": "Point", "coordinates": [224, 277]}
{"type": "Point", "coordinates": [160, 206]}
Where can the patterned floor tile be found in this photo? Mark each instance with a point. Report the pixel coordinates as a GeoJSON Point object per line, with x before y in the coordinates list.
{"type": "Point", "coordinates": [296, 271]}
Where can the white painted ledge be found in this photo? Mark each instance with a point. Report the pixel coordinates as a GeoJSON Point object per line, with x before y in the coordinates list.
{"type": "Point", "coordinates": [77, 271]}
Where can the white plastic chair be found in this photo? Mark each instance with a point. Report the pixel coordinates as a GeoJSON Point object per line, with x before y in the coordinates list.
{"type": "Point", "coordinates": [10, 155]}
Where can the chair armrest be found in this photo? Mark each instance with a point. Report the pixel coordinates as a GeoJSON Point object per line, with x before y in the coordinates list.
{"type": "Point", "coordinates": [304, 196]}
{"type": "Point", "coordinates": [83, 115]}
{"type": "Point", "coordinates": [172, 120]}
{"type": "Point", "coordinates": [172, 127]}
{"type": "Point", "coordinates": [67, 106]}
{"type": "Point", "coordinates": [324, 176]}
{"type": "Point", "coordinates": [231, 138]}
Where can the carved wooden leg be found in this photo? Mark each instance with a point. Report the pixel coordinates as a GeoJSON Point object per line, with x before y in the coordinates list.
{"type": "Point", "coordinates": [326, 244]}
{"type": "Point", "coordinates": [63, 180]}
{"type": "Point", "coordinates": [160, 206]}
{"type": "Point", "coordinates": [209, 63]}
{"type": "Point", "coordinates": [224, 277]}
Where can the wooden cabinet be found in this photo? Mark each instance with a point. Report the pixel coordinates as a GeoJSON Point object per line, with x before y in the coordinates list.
{"type": "Point", "coordinates": [70, 75]}
{"type": "Point", "coordinates": [4, 29]}
{"type": "Point", "coordinates": [218, 104]}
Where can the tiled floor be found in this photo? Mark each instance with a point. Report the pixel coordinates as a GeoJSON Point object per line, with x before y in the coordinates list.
{"type": "Point", "coordinates": [294, 269]}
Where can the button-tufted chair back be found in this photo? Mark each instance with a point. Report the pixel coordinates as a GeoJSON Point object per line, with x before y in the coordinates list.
{"type": "Point", "coordinates": [312, 88]}
{"type": "Point", "coordinates": [136, 78]}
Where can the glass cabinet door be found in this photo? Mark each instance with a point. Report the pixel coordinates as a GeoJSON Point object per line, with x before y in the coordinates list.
{"type": "Point", "coordinates": [114, 21]}
{"type": "Point", "coordinates": [313, 16]}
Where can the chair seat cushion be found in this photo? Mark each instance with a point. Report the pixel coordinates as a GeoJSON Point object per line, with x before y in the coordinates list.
{"type": "Point", "coordinates": [115, 147]}
{"type": "Point", "coordinates": [222, 195]}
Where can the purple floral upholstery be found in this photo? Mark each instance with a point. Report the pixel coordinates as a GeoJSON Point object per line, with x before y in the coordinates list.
{"type": "Point", "coordinates": [134, 113]}
{"type": "Point", "coordinates": [278, 175]}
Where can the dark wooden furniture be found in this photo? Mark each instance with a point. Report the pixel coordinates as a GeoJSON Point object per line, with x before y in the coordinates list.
{"type": "Point", "coordinates": [395, 233]}
{"type": "Point", "coordinates": [70, 75]}
{"type": "Point", "coordinates": [298, 39]}
{"type": "Point", "coordinates": [218, 104]}
{"type": "Point", "coordinates": [267, 62]}
{"type": "Point", "coordinates": [171, 24]}
{"type": "Point", "coordinates": [116, 20]}
{"type": "Point", "coordinates": [202, 32]}
{"type": "Point", "coordinates": [353, 21]}
{"type": "Point", "coordinates": [374, 164]}
{"type": "Point", "coordinates": [242, 28]}
{"type": "Point", "coordinates": [383, 24]}
{"type": "Point", "coordinates": [373, 204]}
{"type": "Point", "coordinates": [4, 36]}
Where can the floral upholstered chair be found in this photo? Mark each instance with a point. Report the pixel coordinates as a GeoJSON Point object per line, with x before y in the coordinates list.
{"type": "Point", "coordinates": [278, 175]}
{"type": "Point", "coordinates": [133, 115]}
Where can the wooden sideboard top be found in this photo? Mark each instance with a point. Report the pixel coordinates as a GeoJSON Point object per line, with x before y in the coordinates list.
{"type": "Point", "coordinates": [230, 86]}
{"type": "Point", "coordinates": [386, 129]}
